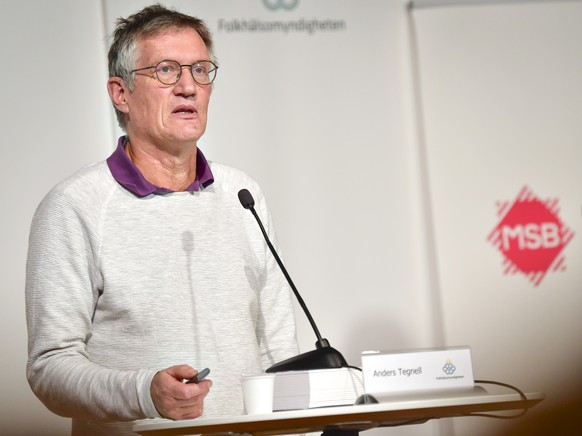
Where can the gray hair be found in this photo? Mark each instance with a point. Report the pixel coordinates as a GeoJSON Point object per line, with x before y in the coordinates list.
{"type": "Point", "coordinates": [149, 21]}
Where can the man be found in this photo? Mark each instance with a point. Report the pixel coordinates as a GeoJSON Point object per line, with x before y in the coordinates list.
{"type": "Point", "coordinates": [145, 268]}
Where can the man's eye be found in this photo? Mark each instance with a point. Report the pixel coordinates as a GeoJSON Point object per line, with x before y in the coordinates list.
{"type": "Point", "coordinates": [165, 69]}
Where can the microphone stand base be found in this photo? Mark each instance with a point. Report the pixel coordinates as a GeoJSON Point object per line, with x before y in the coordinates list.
{"type": "Point", "coordinates": [320, 358]}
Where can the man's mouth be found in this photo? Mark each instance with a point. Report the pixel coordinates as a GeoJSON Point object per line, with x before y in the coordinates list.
{"type": "Point", "coordinates": [184, 110]}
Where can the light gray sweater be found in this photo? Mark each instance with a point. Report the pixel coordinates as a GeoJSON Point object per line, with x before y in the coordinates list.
{"type": "Point", "coordinates": [119, 287]}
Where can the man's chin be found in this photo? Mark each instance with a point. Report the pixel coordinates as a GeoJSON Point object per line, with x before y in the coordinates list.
{"type": "Point", "coordinates": [189, 134]}
{"type": "Point", "coordinates": [187, 137]}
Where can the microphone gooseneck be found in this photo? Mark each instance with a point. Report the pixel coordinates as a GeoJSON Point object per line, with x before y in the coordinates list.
{"type": "Point", "coordinates": [324, 356]}
{"type": "Point", "coordinates": [248, 202]}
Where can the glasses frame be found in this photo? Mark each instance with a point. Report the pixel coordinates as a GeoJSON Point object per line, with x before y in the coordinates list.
{"type": "Point", "coordinates": [182, 66]}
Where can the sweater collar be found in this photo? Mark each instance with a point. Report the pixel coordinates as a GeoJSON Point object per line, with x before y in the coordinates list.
{"type": "Point", "coordinates": [129, 176]}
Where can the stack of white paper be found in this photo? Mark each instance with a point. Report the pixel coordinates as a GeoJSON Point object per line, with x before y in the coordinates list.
{"type": "Point", "coordinates": [296, 390]}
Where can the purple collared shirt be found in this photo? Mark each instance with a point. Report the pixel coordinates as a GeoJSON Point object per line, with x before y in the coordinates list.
{"type": "Point", "coordinates": [128, 176]}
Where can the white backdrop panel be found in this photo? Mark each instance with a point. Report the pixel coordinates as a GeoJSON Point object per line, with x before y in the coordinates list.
{"type": "Point", "coordinates": [502, 103]}
{"type": "Point", "coordinates": [54, 118]}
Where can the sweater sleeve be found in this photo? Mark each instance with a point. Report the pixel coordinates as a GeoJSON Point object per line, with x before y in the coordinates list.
{"type": "Point", "coordinates": [62, 288]}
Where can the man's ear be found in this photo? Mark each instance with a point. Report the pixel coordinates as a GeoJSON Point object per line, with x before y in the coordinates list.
{"type": "Point", "coordinates": [117, 92]}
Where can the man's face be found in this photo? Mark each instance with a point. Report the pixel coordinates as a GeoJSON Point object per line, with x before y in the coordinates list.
{"type": "Point", "coordinates": [168, 116]}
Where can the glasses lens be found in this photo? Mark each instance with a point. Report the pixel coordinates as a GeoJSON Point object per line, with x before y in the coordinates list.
{"type": "Point", "coordinates": [203, 72]}
{"type": "Point", "coordinates": [168, 72]}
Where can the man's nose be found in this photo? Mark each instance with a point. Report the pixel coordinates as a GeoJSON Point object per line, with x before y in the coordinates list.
{"type": "Point", "coordinates": [186, 83]}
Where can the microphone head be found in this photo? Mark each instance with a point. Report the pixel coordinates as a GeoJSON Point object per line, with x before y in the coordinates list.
{"type": "Point", "coordinates": [246, 199]}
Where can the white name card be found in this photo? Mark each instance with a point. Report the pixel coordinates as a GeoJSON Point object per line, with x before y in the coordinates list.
{"type": "Point", "coordinates": [414, 371]}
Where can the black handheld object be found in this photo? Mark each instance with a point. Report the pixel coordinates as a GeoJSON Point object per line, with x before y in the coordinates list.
{"type": "Point", "coordinates": [198, 377]}
{"type": "Point", "coordinates": [324, 356]}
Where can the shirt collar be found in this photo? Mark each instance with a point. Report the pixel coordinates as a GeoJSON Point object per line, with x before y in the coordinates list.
{"type": "Point", "coordinates": [129, 176]}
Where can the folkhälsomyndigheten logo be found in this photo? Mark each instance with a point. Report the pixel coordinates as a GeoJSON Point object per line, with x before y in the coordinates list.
{"type": "Point", "coordinates": [280, 4]}
{"type": "Point", "coordinates": [531, 236]}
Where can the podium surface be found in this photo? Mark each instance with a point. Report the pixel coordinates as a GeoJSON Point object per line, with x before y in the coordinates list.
{"type": "Point", "coordinates": [393, 412]}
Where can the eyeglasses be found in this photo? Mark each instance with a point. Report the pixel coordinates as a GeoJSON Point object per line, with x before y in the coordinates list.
{"type": "Point", "coordinates": [169, 72]}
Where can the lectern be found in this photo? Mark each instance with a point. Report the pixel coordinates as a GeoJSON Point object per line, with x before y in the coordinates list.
{"type": "Point", "coordinates": [346, 419]}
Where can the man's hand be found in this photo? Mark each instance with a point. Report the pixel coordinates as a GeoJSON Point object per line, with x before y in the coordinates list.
{"type": "Point", "coordinates": [176, 400]}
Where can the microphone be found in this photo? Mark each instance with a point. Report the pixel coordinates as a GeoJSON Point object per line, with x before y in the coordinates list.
{"type": "Point", "coordinates": [324, 356]}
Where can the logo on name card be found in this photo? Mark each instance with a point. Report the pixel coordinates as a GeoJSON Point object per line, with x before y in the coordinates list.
{"type": "Point", "coordinates": [531, 236]}
{"type": "Point", "coordinates": [449, 368]}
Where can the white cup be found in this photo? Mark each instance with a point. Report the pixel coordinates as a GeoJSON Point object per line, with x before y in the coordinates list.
{"type": "Point", "coordinates": [258, 393]}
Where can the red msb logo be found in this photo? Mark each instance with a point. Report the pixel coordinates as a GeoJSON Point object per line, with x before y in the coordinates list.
{"type": "Point", "coordinates": [531, 236]}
